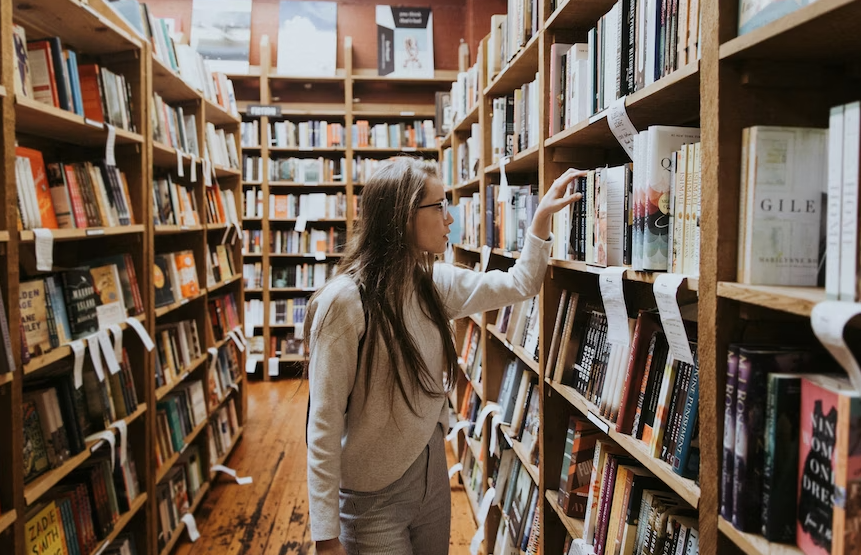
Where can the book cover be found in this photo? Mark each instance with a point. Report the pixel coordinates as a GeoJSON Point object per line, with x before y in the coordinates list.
{"type": "Point", "coordinates": [23, 81]}
{"type": "Point", "coordinates": [34, 317]}
{"type": "Point", "coordinates": [110, 307]}
{"type": "Point", "coordinates": [44, 531]}
{"type": "Point", "coordinates": [35, 451]}
{"type": "Point", "coordinates": [753, 14]}
{"type": "Point", "coordinates": [187, 274]}
{"type": "Point", "coordinates": [405, 42]}
{"type": "Point", "coordinates": [780, 475]}
{"type": "Point", "coordinates": [307, 38]}
{"type": "Point", "coordinates": [221, 33]}
{"type": "Point", "coordinates": [162, 281]}
{"type": "Point", "coordinates": [43, 190]}
{"type": "Point", "coordinates": [726, 493]}
{"type": "Point", "coordinates": [82, 302]}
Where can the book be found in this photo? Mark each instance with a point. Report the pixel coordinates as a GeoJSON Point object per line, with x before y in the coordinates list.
{"type": "Point", "coordinates": [307, 38]}
{"type": "Point", "coordinates": [221, 34]}
{"type": "Point", "coordinates": [44, 530]}
{"type": "Point", "coordinates": [755, 14]}
{"type": "Point", "coordinates": [405, 42]}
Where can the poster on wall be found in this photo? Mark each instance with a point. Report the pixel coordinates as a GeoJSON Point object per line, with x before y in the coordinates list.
{"type": "Point", "coordinates": [307, 38]}
{"type": "Point", "coordinates": [221, 33]}
{"type": "Point", "coordinates": [405, 42]}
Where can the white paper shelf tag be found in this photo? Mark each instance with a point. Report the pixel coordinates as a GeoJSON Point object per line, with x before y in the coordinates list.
{"type": "Point", "coordinates": [79, 349]}
{"type": "Point", "coordinates": [44, 249]}
{"type": "Point", "coordinates": [484, 508]}
{"type": "Point", "coordinates": [193, 169]}
{"type": "Point", "coordinates": [180, 171]}
{"type": "Point", "coordinates": [272, 367]}
{"type": "Point", "coordinates": [301, 223]}
{"type": "Point", "coordinates": [231, 472]}
{"type": "Point", "coordinates": [232, 334]}
{"type": "Point", "coordinates": [110, 156]}
{"type": "Point", "coordinates": [613, 295]}
{"type": "Point", "coordinates": [504, 194]}
{"type": "Point", "coordinates": [621, 126]}
{"type": "Point", "coordinates": [666, 290]}
{"type": "Point", "coordinates": [490, 408]}
{"type": "Point", "coordinates": [485, 257]}
{"type": "Point", "coordinates": [108, 352]}
{"type": "Point", "coordinates": [191, 526]}
{"type": "Point", "coordinates": [452, 435]}
{"type": "Point", "coordinates": [141, 331]}
{"type": "Point", "coordinates": [495, 422]}
{"type": "Point", "coordinates": [828, 319]}
{"type": "Point", "coordinates": [123, 429]}
{"type": "Point", "coordinates": [96, 356]}
{"type": "Point", "coordinates": [457, 467]}
{"type": "Point", "coordinates": [99, 437]}
{"type": "Point", "coordinates": [117, 332]}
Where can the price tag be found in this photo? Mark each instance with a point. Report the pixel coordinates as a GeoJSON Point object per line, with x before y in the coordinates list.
{"type": "Point", "coordinates": [180, 171]}
{"type": "Point", "coordinates": [621, 126]}
{"type": "Point", "coordinates": [110, 159]}
{"type": "Point", "coordinates": [44, 249]}
{"type": "Point", "coordinates": [78, 348]}
{"type": "Point", "coordinates": [613, 295]}
{"type": "Point", "coordinates": [666, 288]}
{"type": "Point", "coordinates": [829, 318]}
{"type": "Point", "coordinates": [141, 331]}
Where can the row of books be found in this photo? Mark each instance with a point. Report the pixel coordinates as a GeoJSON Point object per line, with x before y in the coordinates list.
{"type": "Point", "coordinates": [637, 43]}
{"type": "Point", "coordinates": [306, 171]}
{"type": "Point", "coordinates": [226, 375]}
{"type": "Point", "coordinates": [465, 229]}
{"type": "Point", "coordinates": [65, 196]}
{"type": "Point", "coordinates": [82, 510]}
{"type": "Point", "coordinates": [462, 166]}
{"type": "Point", "coordinates": [221, 207]}
{"type": "Point", "coordinates": [509, 33]}
{"type": "Point", "coordinates": [640, 387]}
{"type": "Point", "coordinates": [515, 122]}
{"type": "Point", "coordinates": [786, 459]}
{"type": "Point", "coordinates": [471, 353]}
{"type": "Point", "coordinates": [223, 315]}
{"type": "Point", "coordinates": [58, 417]}
{"type": "Point", "coordinates": [74, 304]}
{"type": "Point", "coordinates": [48, 73]}
{"type": "Point", "coordinates": [305, 134]}
{"type": "Point", "coordinates": [518, 497]}
{"type": "Point", "coordinates": [176, 492]}
{"type": "Point", "coordinates": [286, 345]}
{"type": "Point", "coordinates": [175, 277]}
{"type": "Point", "coordinates": [302, 276]}
{"type": "Point", "coordinates": [221, 147]}
{"type": "Point", "coordinates": [177, 415]}
{"type": "Point", "coordinates": [625, 509]}
{"type": "Point", "coordinates": [520, 323]}
{"type": "Point", "coordinates": [249, 133]}
{"type": "Point", "coordinates": [223, 429]}
{"type": "Point", "coordinates": [417, 134]}
{"type": "Point", "coordinates": [252, 275]}
{"type": "Point", "coordinates": [519, 396]}
{"type": "Point", "coordinates": [644, 215]}
{"type": "Point", "coordinates": [312, 206]}
{"type": "Point", "coordinates": [172, 127]}
{"type": "Point", "coordinates": [507, 220]}
{"type": "Point", "coordinates": [463, 98]}
{"type": "Point", "coordinates": [178, 347]}
{"type": "Point", "coordinates": [181, 58]}
{"type": "Point", "coordinates": [310, 241]}
{"type": "Point", "coordinates": [290, 312]}
{"type": "Point", "coordinates": [173, 203]}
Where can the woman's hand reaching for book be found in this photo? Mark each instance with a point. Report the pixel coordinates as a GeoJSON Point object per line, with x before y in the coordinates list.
{"type": "Point", "coordinates": [559, 196]}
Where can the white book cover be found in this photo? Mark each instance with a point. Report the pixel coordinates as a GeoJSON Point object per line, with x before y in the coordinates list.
{"type": "Point", "coordinates": [221, 33]}
{"type": "Point", "coordinates": [307, 38]}
{"type": "Point", "coordinates": [405, 42]}
{"type": "Point", "coordinates": [835, 196]}
{"type": "Point", "coordinates": [849, 202]}
{"type": "Point", "coordinates": [783, 209]}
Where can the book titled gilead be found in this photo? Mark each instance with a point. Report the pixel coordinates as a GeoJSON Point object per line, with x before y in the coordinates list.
{"type": "Point", "coordinates": [405, 42]}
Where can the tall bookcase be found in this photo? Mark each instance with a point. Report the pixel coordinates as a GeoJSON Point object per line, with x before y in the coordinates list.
{"type": "Point", "coordinates": [348, 96]}
{"type": "Point", "coordinates": [97, 34]}
{"type": "Point", "coordinates": [739, 82]}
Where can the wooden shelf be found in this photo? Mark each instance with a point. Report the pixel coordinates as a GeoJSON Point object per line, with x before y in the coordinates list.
{"type": "Point", "coordinates": [685, 488]}
{"type": "Point", "coordinates": [519, 71]}
{"type": "Point", "coordinates": [468, 185]}
{"type": "Point", "coordinates": [794, 300]}
{"type": "Point", "coordinates": [91, 32]}
{"type": "Point", "coordinates": [175, 229]}
{"type": "Point", "coordinates": [4, 236]}
{"type": "Point", "coordinates": [441, 77]}
{"type": "Point", "coordinates": [121, 524]}
{"type": "Point", "coordinates": [164, 156]}
{"type": "Point", "coordinates": [577, 14]}
{"type": "Point", "coordinates": [177, 532]}
{"type": "Point", "coordinates": [223, 458]}
{"type": "Point", "coordinates": [38, 487]}
{"type": "Point", "coordinates": [825, 30]}
{"type": "Point", "coordinates": [522, 162]}
{"type": "Point", "coordinates": [304, 185]}
{"type": "Point", "coordinates": [2, 91]}
{"type": "Point", "coordinates": [506, 254]}
{"type": "Point", "coordinates": [170, 86]}
{"type": "Point", "coordinates": [673, 100]}
{"type": "Point", "coordinates": [61, 352]}
{"type": "Point", "coordinates": [395, 150]}
{"type": "Point", "coordinates": [216, 227]}
{"type": "Point", "coordinates": [292, 149]}
{"type": "Point", "coordinates": [87, 233]}
{"type": "Point", "coordinates": [302, 256]}
{"type": "Point", "coordinates": [217, 115]}
{"type": "Point", "coordinates": [421, 111]}
{"type": "Point", "coordinates": [8, 519]}
{"type": "Point", "coordinates": [468, 248]}
{"type": "Point", "coordinates": [7, 377]}
{"type": "Point", "coordinates": [573, 525]}
{"type": "Point", "coordinates": [34, 118]}
{"type": "Point", "coordinates": [291, 358]}
{"type": "Point", "coordinates": [465, 124]}
{"type": "Point", "coordinates": [522, 454]}
{"type": "Point", "coordinates": [754, 544]}
{"type": "Point", "coordinates": [197, 363]}
{"type": "Point", "coordinates": [517, 350]}
{"type": "Point", "coordinates": [159, 312]}
{"type": "Point", "coordinates": [225, 283]}
{"type": "Point", "coordinates": [275, 77]}
{"type": "Point", "coordinates": [630, 275]}
{"type": "Point", "coordinates": [221, 171]}
{"type": "Point", "coordinates": [163, 470]}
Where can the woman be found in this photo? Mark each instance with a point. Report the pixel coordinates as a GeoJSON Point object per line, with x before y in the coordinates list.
{"type": "Point", "coordinates": [382, 357]}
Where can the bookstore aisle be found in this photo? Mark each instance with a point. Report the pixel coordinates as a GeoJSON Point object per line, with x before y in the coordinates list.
{"type": "Point", "coordinates": [270, 515]}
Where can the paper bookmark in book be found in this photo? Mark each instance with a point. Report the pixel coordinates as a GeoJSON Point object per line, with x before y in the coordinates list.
{"type": "Point", "coordinates": [110, 158]}
{"type": "Point", "coordinates": [452, 435]}
{"type": "Point", "coordinates": [828, 319]}
{"type": "Point", "coordinates": [454, 470]}
{"type": "Point", "coordinates": [613, 296]}
{"type": "Point", "coordinates": [191, 526]}
{"type": "Point", "coordinates": [141, 331]}
{"type": "Point", "coordinates": [621, 126]}
{"type": "Point", "coordinates": [484, 508]}
{"type": "Point", "coordinates": [44, 249]}
{"type": "Point", "coordinates": [78, 348]}
{"type": "Point", "coordinates": [122, 427]}
{"type": "Point", "coordinates": [666, 289]}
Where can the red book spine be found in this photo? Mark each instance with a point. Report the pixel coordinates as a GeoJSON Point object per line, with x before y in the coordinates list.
{"type": "Point", "coordinates": [78, 210]}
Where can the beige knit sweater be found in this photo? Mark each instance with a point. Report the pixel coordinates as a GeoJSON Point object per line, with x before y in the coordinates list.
{"type": "Point", "coordinates": [363, 447]}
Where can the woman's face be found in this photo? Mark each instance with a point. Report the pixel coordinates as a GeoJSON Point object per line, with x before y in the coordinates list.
{"type": "Point", "coordinates": [432, 221]}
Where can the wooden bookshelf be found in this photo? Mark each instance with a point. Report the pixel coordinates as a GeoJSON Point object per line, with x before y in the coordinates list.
{"type": "Point", "coordinates": [516, 350]}
{"type": "Point", "coordinates": [177, 532]}
{"type": "Point", "coordinates": [120, 525]}
{"type": "Point", "coordinates": [793, 300]}
{"type": "Point", "coordinates": [7, 519]}
{"type": "Point", "coordinates": [754, 544]}
{"type": "Point", "coordinates": [574, 526]}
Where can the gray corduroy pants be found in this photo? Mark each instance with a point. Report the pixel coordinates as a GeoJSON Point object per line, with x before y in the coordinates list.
{"type": "Point", "coordinates": [412, 516]}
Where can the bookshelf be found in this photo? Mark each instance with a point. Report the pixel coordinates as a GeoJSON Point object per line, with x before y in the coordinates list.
{"type": "Point", "coordinates": [725, 91]}
{"type": "Point", "coordinates": [351, 95]}
{"type": "Point", "coordinates": [98, 35]}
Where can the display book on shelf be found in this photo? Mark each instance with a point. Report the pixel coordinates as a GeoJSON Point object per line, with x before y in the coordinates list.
{"type": "Point", "coordinates": [92, 301]}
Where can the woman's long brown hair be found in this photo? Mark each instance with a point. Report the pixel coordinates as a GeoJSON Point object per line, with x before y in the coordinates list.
{"type": "Point", "coordinates": [385, 264]}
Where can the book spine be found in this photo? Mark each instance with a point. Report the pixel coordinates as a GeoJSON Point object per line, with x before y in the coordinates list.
{"type": "Point", "coordinates": [727, 468]}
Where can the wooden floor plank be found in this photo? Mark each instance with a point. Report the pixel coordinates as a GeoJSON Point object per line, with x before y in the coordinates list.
{"type": "Point", "coordinates": [270, 516]}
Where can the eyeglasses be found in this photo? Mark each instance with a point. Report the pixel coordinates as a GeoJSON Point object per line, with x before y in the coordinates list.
{"type": "Point", "coordinates": [441, 205]}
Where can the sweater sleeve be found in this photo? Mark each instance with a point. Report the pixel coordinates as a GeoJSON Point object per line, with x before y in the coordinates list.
{"type": "Point", "coordinates": [337, 326]}
{"type": "Point", "coordinates": [466, 292]}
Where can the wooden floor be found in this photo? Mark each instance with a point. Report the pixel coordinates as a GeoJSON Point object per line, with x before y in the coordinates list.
{"type": "Point", "coordinates": [270, 516]}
